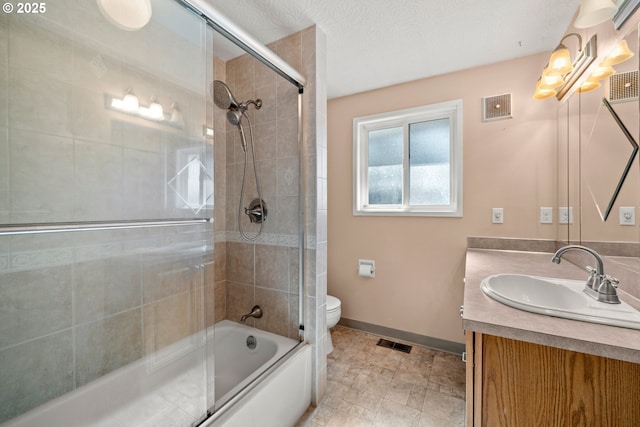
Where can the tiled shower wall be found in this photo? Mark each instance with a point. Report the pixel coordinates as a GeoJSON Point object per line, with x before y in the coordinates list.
{"type": "Point", "coordinates": [266, 272]}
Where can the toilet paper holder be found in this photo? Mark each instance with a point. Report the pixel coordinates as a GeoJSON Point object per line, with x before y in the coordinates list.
{"type": "Point", "coordinates": [366, 268]}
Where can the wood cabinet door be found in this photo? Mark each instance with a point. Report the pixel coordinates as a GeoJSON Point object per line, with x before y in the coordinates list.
{"type": "Point", "coordinates": [525, 384]}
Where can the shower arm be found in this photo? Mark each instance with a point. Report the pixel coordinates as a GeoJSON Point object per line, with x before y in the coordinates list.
{"type": "Point", "coordinates": [257, 103]}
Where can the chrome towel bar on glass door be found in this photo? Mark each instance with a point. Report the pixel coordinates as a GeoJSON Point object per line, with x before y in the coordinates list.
{"type": "Point", "coordinates": [65, 227]}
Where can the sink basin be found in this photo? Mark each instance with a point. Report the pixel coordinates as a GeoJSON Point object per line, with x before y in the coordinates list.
{"type": "Point", "coordinates": [557, 297]}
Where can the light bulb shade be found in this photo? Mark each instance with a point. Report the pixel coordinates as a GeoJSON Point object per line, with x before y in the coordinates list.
{"type": "Point", "coordinates": [560, 62]}
{"type": "Point", "coordinates": [128, 15]}
{"type": "Point", "coordinates": [550, 81]}
{"type": "Point", "coordinates": [543, 93]}
{"type": "Point", "coordinates": [589, 84]}
{"type": "Point", "coordinates": [602, 72]}
{"type": "Point", "coordinates": [594, 12]}
{"type": "Point", "coordinates": [155, 110]}
{"type": "Point", "coordinates": [130, 102]}
{"type": "Point", "coordinates": [620, 54]}
{"type": "Point", "coordinates": [176, 115]}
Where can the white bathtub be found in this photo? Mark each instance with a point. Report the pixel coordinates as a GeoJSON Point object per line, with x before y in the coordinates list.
{"type": "Point", "coordinates": [169, 388]}
{"type": "Point", "coordinates": [278, 397]}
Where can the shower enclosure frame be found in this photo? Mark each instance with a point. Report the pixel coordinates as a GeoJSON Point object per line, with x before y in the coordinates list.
{"type": "Point", "coordinates": [251, 46]}
{"type": "Point", "coordinates": [256, 49]}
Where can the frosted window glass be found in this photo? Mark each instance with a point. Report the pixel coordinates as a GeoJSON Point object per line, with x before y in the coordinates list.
{"type": "Point", "coordinates": [429, 157]}
{"type": "Point", "coordinates": [409, 162]}
{"type": "Point", "coordinates": [385, 166]}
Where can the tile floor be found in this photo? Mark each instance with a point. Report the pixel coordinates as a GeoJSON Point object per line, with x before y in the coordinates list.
{"type": "Point", "coordinates": [372, 386]}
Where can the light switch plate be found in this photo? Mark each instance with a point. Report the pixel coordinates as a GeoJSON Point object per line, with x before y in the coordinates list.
{"type": "Point", "coordinates": [565, 215]}
{"type": "Point", "coordinates": [628, 216]}
{"type": "Point", "coordinates": [546, 215]}
{"type": "Point", "coordinates": [497, 216]}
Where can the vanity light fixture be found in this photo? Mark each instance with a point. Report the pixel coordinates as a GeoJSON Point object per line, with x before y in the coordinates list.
{"type": "Point", "coordinates": [560, 73]}
{"type": "Point", "coordinates": [620, 54]}
{"type": "Point", "coordinates": [594, 12]}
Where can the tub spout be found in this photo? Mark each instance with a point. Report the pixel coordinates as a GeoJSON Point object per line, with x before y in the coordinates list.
{"type": "Point", "coordinates": [256, 312]}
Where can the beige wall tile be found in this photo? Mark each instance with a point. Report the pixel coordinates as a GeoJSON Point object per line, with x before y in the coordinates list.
{"type": "Point", "coordinates": [240, 300]}
{"type": "Point", "coordinates": [42, 177]}
{"type": "Point", "coordinates": [106, 286]}
{"type": "Point", "coordinates": [166, 276]}
{"type": "Point", "coordinates": [34, 302]}
{"type": "Point", "coordinates": [35, 372]}
{"type": "Point", "coordinates": [240, 262]}
{"type": "Point", "coordinates": [272, 267]}
{"type": "Point", "coordinates": [275, 308]}
{"type": "Point", "coordinates": [108, 344]}
{"type": "Point", "coordinates": [169, 320]}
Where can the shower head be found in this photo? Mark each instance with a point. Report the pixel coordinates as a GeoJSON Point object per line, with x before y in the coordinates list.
{"type": "Point", "coordinates": [222, 96]}
{"type": "Point", "coordinates": [234, 117]}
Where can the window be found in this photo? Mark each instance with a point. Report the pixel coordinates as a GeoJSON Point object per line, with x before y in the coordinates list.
{"type": "Point", "coordinates": [409, 162]}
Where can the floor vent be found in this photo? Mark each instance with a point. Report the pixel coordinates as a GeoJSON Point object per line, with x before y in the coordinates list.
{"type": "Point", "coordinates": [394, 345]}
{"type": "Point", "coordinates": [496, 107]}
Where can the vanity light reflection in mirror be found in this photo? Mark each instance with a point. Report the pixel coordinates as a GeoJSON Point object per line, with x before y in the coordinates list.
{"type": "Point", "coordinates": [129, 104]}
{"type": "Point", "coordinates": [609, 126]}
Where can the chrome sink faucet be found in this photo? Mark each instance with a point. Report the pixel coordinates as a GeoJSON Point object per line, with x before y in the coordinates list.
{"type": "Point", "coordinates": [599, 286]}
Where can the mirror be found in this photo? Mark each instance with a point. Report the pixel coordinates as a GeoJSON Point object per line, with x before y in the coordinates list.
{"type": "Point", "coordinates": [607, 141]}
{"type": "Point", "coordinates": [599, 164]}
{"type": "Point", "coordinates": [609, 171]}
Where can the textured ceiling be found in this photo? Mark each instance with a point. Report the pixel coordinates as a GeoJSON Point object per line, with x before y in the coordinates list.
{"type": "Point", "coordinates": [377, 43]}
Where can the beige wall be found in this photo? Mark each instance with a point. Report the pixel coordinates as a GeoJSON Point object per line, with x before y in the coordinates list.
{"type": "Point", "coordinates": [420, 260]}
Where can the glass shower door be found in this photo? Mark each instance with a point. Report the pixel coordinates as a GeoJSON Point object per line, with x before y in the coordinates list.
{"type": "Point", "coordinates": [106, 191]}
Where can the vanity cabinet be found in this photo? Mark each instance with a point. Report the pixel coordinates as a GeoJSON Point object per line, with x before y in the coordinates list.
{"type": "Point", "coordinates": [518, 383]}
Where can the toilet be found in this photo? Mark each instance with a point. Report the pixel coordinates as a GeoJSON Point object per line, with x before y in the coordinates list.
{"type": "Point", "coordinates": [334, 311]}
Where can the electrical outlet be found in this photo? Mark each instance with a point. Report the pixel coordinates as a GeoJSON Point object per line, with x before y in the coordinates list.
{"type": "Point", "coordinates": [497, 215]}
{"type": "Point", "coordinates": [546, 215]}
{"type": "Point", "coordinates": [628, 216]}
{"type": "Point", "coordinates": [565, 215]}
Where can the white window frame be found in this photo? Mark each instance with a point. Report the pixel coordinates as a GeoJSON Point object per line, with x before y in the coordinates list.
{"type": "Point", "coordinates": [361, 128]}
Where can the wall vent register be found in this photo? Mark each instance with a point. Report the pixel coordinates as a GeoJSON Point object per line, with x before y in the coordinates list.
{"type": "Point", "coordinates": [623, 87]}
{"type": "Point", "coordinates": [496, 107]}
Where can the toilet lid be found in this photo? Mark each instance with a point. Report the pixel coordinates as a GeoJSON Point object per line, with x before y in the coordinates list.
{"type": "Point", "coordinates": [333, 303]}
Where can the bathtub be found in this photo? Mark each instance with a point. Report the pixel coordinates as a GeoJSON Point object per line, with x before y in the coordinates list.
{"type": "Point", "coordinates": [278, 396]}
{"type": "Point", "coordinates": [169, 387]}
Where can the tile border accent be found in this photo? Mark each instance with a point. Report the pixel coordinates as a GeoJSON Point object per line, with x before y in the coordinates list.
{"type": "Point", "coordinates": [288, 240]}
{"type": "Point", "coordinates": [431, 342]}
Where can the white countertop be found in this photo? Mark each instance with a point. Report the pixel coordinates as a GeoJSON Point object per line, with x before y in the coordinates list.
{"type": "Point", "coordinates": [485, 315]}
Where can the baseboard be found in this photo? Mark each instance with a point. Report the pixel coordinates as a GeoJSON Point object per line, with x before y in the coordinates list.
{"type": "Point", "coordinates": [435, 343]}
